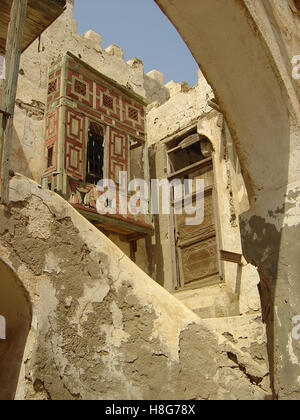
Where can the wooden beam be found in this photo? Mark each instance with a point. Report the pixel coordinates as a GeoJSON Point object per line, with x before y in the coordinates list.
{"type": "Point", "coordinates": [231, 257]}
{"type": "Point", "coordinates": [136, 237]}
{"type": "Point", "coordinates": [133, 250]}
{"type": "Point", "coordinates": [97, 218]}
{"type": "Point", "coordinates": [9, 89]}
{"type": "Point", "coordinates": [181, 134]}
{"type": "Point", "coordinates": [192, 168]}
{"type": "Point", "coordinates": [40, 15]}
{"type": "Point", "coordinates": [6, 114]}
{"type": "Point", "coordinates": [135, 146]}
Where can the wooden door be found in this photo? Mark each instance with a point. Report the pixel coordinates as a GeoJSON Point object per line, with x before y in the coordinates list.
{"type": "Point", "coordinates": [196, 246]}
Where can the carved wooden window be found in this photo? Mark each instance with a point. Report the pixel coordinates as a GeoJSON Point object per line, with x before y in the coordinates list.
{"type": "Point", "coordinates": [52, 87]}
{"type": "Point", "coordinates": [196, 250]}
{"type": "Point", "coordinates": [80, 87]}
{"type": "Point", "coordinates": [108, 102]}
{"type": "Point", "coordinates": [295, 6]}
{"type": "Point", "coordinates": [95, 153]}
{"type": "Point", "coordinates": [133, 114]}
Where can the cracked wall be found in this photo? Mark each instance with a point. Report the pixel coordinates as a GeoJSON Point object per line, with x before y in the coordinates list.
{"type": "Point", "coordinates": [249, 66]}
{"type": "Point", "coordinates": [101, 328]}
{"type": "Point", "coordinates": [237, 294]}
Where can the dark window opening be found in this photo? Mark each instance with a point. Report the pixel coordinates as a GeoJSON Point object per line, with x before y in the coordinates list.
{"type": "Point", "coordinates": [184, 156]}
{"type": "Point", "coordinates": [195, 248]}
{"type": "Point", "coordinates": [295, 6]}
{"type": "Point", "coordinates": [50, 157]}
{"type": "Point", "coordinates": [187, 151]}
{"type": "Point", "coordinates": [108, 102]}
{"type": "Point", "coordinates": [133, 114]}
{"type": "Point", "coordinates": [80, 88]}
{"type": "Point", "coordinates": [95, 154]}
{"type": "Point", "coordinates": [52, 87]}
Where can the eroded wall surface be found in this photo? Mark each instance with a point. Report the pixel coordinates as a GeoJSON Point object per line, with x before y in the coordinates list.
{"type": "Point", "coordinates": [101, 328]}
{"type": "Point", "coordinates": [238, 293]}
{"type": "Point", "coordinates": [248, 64]}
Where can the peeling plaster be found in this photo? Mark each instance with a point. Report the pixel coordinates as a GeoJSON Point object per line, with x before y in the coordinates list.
{"type": "Point", "coordinates": [105, 330]}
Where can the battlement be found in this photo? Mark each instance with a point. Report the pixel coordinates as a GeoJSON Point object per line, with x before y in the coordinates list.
{"type": "Point", "coordinates": [175, 88]}
{"type": "Point", "coordinates": [155, 89]}
{"type": "Point", "coordinates": [59, 39]}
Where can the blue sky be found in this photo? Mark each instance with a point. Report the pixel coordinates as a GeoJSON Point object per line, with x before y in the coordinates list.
{"type": "Point", "coordinates": [143, 31]}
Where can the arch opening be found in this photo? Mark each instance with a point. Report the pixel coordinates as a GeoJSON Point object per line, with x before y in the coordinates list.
{"type": "Point", "coordinates": [15, 321]}
{"type": "Point", "coordinates": [252, 86]}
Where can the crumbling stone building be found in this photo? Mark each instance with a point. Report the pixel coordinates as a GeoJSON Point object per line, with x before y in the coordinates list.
{"type": "Point", "coordinates": [112, 308]}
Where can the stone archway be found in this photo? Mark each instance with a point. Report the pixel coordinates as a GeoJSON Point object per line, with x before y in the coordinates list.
{"type": "Point", "coordinates": [242, 48]}
{"type": "Point", "coordinates": [16, 310]}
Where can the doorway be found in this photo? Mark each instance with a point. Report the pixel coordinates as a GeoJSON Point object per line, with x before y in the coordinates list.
{"type": "Point", "coordinates": [15, 310]}
{"type": "Point", "coordinates": [196, 247]}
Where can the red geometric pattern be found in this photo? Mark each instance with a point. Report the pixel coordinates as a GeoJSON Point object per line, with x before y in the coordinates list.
{"type": "Point", "coordinates": [75, 135]}
{"type": "Point", "coordinates": [98, 98]}
{"type": "Point", "coordinates": [52, 124]}
{"type": "Point", "coordinates": [80, 88]}
{"type": "Point", "coordinates": [118, 153]}
{"type": "Point", "coordinates": [88, 97]}
{"type": "Point", "coordinates": [107, 102]}
{"type": "Point", "coordinates": [54, 86]}
{"type": "Point", "coordinates": [85, 197]}
{"type": "Point", "coordinates": [133, 114]}
{"type": "Point", "coordinates": [51, 139]}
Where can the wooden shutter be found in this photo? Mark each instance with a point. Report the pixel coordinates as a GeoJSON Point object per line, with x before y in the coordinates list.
{"type": "Point", "coordinates": [118, 154]}
{"type": "Point", "coordinates": [75, 141]}
{"type": "Point", "coordinates": [196, 246]}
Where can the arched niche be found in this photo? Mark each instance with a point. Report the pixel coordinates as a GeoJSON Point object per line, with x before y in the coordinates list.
{"type": "Point", "coordinates": [15, 309]}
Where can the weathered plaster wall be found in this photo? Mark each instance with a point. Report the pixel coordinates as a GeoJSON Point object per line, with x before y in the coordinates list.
{"type": "Point", "coordinates": [102, 329]}
{"type": "Point", "coordinates": [59, 38]}
{"type": "Point", "coordinates": [187, 107]}
{"type": "Point", "coordinates": [245, 49]}
{"type": "Point", "coordinates": [184, 108]}
{"type": "Point", "coordinates": [141, 255]}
